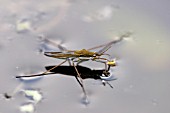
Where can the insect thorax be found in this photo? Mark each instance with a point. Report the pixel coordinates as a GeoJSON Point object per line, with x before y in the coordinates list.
{"type": "Point", "coordinates": [84, 53]}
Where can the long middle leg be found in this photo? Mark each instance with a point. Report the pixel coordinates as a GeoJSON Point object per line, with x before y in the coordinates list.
{"type": "Point", "coordinates": [44, 73]}
{"type": "Point", "coordinates": [81, 80]}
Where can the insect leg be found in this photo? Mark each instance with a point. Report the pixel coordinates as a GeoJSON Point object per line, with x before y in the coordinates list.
{"type": "Point", "coordinates": [108, 45]}
{"type": "Point", "coordinates": [81, 61]}
{"type": "Point", "coordinates": [35, 75]}
{"type": "Point", "coordinates": [102, 60]}
{"type": "Point", "coordinates": [54, 67]}
{"type": "Point", "coordinates": [81, 80]}
{"type": "Point", "coordinates": [106, 82]}
{"type": "Point", "coordinates": [44, 73]}
{"type": "Point", "coordinates": [69, 61]}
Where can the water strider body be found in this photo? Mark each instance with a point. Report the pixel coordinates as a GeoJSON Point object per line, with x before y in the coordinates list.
{"type": "Point", "coordinates": [72, 54]}
{"type": "Point", "coordinates": [80, 56]}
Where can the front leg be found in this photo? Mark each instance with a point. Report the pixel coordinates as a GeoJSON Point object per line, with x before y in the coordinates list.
{"type": "Point", "coordinates": [101, 60]}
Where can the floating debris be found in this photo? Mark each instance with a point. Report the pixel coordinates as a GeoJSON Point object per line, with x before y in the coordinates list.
{"type": "Point", "coordinates": [104, 13]}
{"type": "Point", "coordinates": [7, 96]}
{"type": "Point", "coordinates": [27, 108]}
{"type": "Point", "coordinates": [35, 95]}
{"type": "Point", "coordinates": [23, 25]}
